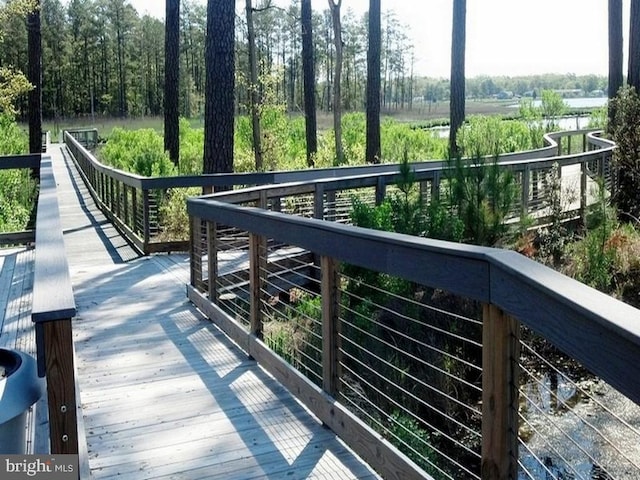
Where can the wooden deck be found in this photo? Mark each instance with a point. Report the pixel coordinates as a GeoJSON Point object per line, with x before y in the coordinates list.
{"type": "Point", "coordinates": [164, 393]}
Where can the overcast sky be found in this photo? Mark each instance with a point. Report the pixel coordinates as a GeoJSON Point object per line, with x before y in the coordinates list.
{"type": "Point", "coordinates": [504, 37]}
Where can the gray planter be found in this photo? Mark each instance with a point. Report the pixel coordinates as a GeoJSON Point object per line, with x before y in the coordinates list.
{"type": "Point", "coordinates": [20, 387]}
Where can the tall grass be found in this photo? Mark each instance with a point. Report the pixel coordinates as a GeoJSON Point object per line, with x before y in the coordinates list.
{"type": "Point", "coordinates": [17, 188]}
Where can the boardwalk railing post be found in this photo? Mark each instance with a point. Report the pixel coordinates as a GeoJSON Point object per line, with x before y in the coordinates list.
{"type": "Point", "coordinates": [212, 261]}
{"type": "Point", "coordinates": [381, 190]}
{"type": "Point", "coordinates": [57, 343]}
{"type": "Point", "coordinates": [318, 201]}
{"type": "Point", "coordinates": [330, 325]}
{"type": "Point", "coordinates": [526, 179]}
{"type": "Point", "coordinates": [146, 218]}
{"type": "Point", "coordinates": [500, 364]}
{"type": "Point", "coordinates": [584, 173]}
{"type": "Point", "coordinates": [257, 274]}
{"type": "Point", "coordinates": [257, 281]}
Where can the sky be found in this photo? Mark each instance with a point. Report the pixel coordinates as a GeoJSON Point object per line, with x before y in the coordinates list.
{"type": "Point", "coordinates": [504, 37]}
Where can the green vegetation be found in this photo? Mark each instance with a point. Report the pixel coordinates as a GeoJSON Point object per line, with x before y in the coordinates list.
{"type": "Point", "coordinates": [17, 188]}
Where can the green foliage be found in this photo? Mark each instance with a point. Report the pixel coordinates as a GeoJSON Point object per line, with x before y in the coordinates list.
{"type": "Point", "coordinates": [173, 213]}
{"type": "Point", "coordinates": [13, 140]}
{"type": "Point", "coordinates": [411, 438]}
{"type": "Point", "coordinates": [491, 136]}
{"type": "Point", "coordinates": [17, 188]}
{"type": "Point", "coordinates": [13, 84]}
{"type": "Point", "coordinates": [626, 134]}
{"type": "Point", "coordinates": [599, 118]}
{"type": "Point", "coordinates": [191, 142]}
{"type": "Point", "coordinates": [137, 151]}
{"type": "Point", "coordinates": [553, 107]}
{"type": "Point", "coordinates": [482, 195]}
{"type": "Point", "coordinates": [553, 238]}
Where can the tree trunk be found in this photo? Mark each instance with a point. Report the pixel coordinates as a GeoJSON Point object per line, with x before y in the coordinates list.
{"type": "Point", "coordinates": [171, 80]}
{"type": "Point", "coordinates": [254, 88]}
{"type": "Point", "coordinates": [309, 79]}
{"type": "Point", "coordinates": [633, 75]}
{"type": "Point", "coordinates": [457, 98]}
{"type": "Point", "coordinates": [373, 154]}
{"type": "Point", "coordinates": [219, 65]}
{"type": "Point", "coordinates": [35, 77]}
{"type": "Point", "coordinates": [337, 100]}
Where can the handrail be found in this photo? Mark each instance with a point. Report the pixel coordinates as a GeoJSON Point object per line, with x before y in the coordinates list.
{"type": "Point", "coordinates": [129, 200]}
{"type": "Point", "coordinates": [52, 309]}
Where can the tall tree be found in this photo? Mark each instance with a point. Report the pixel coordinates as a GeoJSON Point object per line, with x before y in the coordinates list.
{"type": "Point", "coordinates": [457, 98]}
{"type": "Point", "coordinates": [254, 88]}
{"type": "Point", "coordinates": [171, 79]}
{"type": "Point", "coordinates": [373, 84]}
{"type": "Point", "coordinates": [337, 75]}
{"type": "Point", "coordinates": [309, 79]}
{"type": "Point", "coordinates": [615, 53]}
{"type": "Point", "coordinates": [35, 78]}
{"type": "Point", "coordinates": [219, 87]}
{"type": "Point", "coordinates": [633, 74]}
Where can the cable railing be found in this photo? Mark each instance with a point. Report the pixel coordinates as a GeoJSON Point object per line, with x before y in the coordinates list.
{"type": "Point", "coordinates": [431, 359]}
{"type": "Point", "coordinates": [415, 342]}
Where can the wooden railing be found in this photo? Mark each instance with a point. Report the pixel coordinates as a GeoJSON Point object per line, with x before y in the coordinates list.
{"type": "Point", "coordinates": [134, 202]}
{"type": "Point", "coordinates": [52, 309]}
{"type": "Point", "coordinates": [601, 333]}
{"type": "Point", "coordinates": [250, 261]}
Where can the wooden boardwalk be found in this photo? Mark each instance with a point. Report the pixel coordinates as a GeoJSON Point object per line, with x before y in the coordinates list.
{"type": "Point", "coordinates": [164, 393]}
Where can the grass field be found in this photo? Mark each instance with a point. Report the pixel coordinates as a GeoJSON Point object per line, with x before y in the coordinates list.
{"type": "Point", "coordinates": [436, 112]}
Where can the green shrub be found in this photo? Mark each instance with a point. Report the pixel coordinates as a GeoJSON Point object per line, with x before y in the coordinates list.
{"type": "Point", "coordinates": [17, 188]}
{"type": "Point", "coordinates": [13, 140]}
{"type": "Point", "coordinates": [138, 151]}
{"type": "Point", "coordinates": [626, 134]}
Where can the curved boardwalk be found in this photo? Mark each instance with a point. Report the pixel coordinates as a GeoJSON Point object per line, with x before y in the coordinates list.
{"type": "Point", "coordinates": [164, 393]}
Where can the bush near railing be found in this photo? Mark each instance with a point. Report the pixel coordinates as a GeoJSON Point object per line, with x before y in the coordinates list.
{"type": "Point", "coordinates": [18, 194]}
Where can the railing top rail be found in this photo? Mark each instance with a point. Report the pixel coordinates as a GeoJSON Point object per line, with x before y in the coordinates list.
{"type": "Point", "coordinates": [597, 330]}
{"type": "Point", "coordinates": [280, 177]}
{"type": "Point", "coordinates": [28, 160]}
{"type": "Point", "coordinates": [52, 291]}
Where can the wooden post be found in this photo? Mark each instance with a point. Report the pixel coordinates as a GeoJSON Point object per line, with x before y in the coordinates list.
{"type": "Point", "coordinates": [330, 292]}
{"type": "Point", "coordinates": [526, 177]}
{"type": "Point", "coordinates": [435, 187]}
{"type": "Point", "coordinates": [58, 353]}
{"type": "Point", "coordinates": [381, 190]}
{"type": "Point", "coordinates": [212, 261]}
{"type": "Point", "coordinates": [194, 261]}
{"type": "Point", "coordinates": [145, 220]}
{"type": "Point", "coordinates": [569, 145]}
{"type": "Point", "coordinates": [318, 201]}
{"type": "Point", "coordinates": [584, 172]}
{"type": "Point", "coordinates": [257, 280]}
{"type": "Point", "coordinates": [134, 210]}
{"type": "Point", "coordinates": [500, 366]}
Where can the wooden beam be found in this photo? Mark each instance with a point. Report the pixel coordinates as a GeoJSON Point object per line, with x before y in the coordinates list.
{"type": "Point", "coordinates": [500, 364]}
{"type": "Point", "coordinates": [330, 293]}
{"type": "Point", "coordinates": [58, 351]}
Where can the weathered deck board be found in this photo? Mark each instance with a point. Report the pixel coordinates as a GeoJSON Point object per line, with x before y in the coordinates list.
{"type": "Point", "coordinates": [17, 331]}
{"type": "Point", "coordinates": [165, 394]}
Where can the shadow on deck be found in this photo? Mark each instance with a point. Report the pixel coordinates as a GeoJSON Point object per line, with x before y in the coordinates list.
{"type": "Point", "coordinates": [164, 393]}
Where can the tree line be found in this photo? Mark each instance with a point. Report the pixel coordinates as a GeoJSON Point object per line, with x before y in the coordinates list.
{"type": "Point", "coordinates": [102, 57]}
